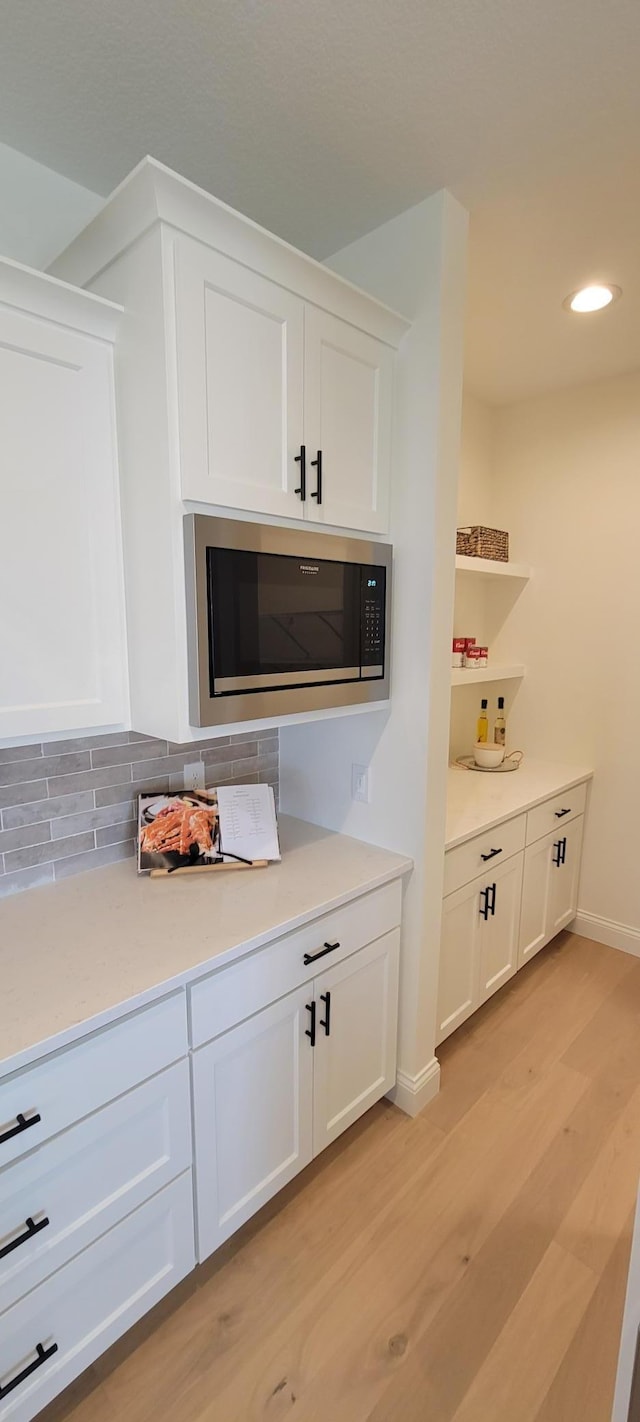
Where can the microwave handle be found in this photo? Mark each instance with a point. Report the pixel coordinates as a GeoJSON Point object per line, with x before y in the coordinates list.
{"type": "Point", "coordinates": [317, 464]}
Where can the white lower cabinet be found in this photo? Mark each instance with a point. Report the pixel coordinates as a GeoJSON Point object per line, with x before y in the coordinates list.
{"type": "Point", "coordinates": [252, 1098]}
{"type": "Point", "coordinates": [354, 1062]}
{"type": "Point", "coordinates": [98, 1141]}
{"type": "Point", "coordinates": [479, 943]}
{"type": "Point", "coordinates": [58, 1329]}
{"type": "Point", "coordinates": [272, 1092]}
{"type": "Point", "coordinates": [550, 887]}
{"type": "Point", "coordinates": [493, 924]}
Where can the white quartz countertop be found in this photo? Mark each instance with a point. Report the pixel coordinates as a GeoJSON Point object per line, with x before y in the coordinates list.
{"type": "Point", "coordinates": [477, 802]}
{"type": "Point", "coordinates": [75, 954]}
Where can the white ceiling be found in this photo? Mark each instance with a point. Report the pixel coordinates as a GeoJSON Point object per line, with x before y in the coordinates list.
{"type": "Point", "coordinates": [323, 118]}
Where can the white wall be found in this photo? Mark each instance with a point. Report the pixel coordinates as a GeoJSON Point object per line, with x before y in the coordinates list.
{"type": "Point", "coordinates": [40, 210]}
{"type": "Point", "coordinates": [475, 485]}
{"type": "Point", "coordinates": [417, 264]}
{"type": "Point", "coordinates": [567, 486]}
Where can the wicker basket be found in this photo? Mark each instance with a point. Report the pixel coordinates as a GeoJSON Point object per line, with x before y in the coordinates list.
{"type": "Point", "coordinates": [479, 542]}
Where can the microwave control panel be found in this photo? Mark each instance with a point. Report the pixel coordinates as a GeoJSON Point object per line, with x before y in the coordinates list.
{"type": "Point", "coordinates": [373, 616]}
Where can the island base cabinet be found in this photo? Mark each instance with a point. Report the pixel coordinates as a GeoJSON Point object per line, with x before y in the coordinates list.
{"type": "Point", "coordinates": [62, 1326]}
{"type": "Point", "coordinates": [252, 1101]}
{"type": "Point", "coordinates": [355, 1054]}
{"type": "Point", "coordinates": [550, 887]}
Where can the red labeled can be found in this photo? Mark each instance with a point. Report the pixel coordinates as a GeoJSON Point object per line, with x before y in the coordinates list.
{"type": "Point", "coordinates": [472, 657]}
{"type": "Point", "coordinates": [459, 645]}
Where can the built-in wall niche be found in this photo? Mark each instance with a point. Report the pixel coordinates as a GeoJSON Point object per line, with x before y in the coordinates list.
{"type": "Point", "coordinates": [485, 596]}
{"type": "Point", "coordinates": [465, 709]}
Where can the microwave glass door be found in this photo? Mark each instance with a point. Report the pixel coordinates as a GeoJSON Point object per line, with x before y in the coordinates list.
{"type": "Point", "coordinates": [277, 621]}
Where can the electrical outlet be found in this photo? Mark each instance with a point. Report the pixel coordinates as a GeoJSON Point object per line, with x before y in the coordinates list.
{"type": "Point", "coordinates": [360, 783]}
{"type": "Point", "coordinates": [194, 775]}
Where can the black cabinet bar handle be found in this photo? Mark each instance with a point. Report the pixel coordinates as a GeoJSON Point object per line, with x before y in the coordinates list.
{"type": "Point", "coordinates": [311, 1031]}
{"type": "Point", "coordinates": [313, 957]}
{"type": "Point", "coordinates": [560, 813]}
{"type": "Point", "coordinates": [484, 907]}
{"type": "Point", "coordinates": [557, 858]}
{"type": "Point", "coordinates": [22, 1125]}
{"type": "Point", "coordinates": [42, 1355]}
{"type": "Point", "coordinates": [317, 464]}
{"type": "Point", "coordinates": [492, 905]}
{"type": "Point", "coordinates": [28, 1233]}
{"type": "Point", "coordinates": [301, 459]}
{"type": "Point", "coordinates": [492, 855]}
{"type": "Point", "coordinates": [325, 1021]}
{"type": "Point", "coordinates": [563, 850]}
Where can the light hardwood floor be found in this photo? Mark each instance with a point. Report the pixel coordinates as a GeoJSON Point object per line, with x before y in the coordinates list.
{"type": "Point", "coordinates": [468, 1266]}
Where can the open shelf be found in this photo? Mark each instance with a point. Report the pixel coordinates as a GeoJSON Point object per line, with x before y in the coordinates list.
{"type": "Point", "coordinates": [469, 676]}
{"type": "Point", "coordinates": [487, 568]}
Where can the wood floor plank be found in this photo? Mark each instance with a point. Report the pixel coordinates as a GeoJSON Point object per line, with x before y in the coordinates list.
{"type": "Point", "coordinates": [584, 1384]}
{"type": "Point", "coordinates": [532, 1342]}
{"type": "Point", "coordinates": [392, 1281]}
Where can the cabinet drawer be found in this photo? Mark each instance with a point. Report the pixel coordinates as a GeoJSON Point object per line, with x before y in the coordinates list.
{"type": "Point", "coordinates": [236, 992]}
{"type": "Point", "coordinates": [479, 854]}
{"type": "Point", "coordinates": [556, 812]}
{"type": "Point", "coordinates": [85, 1306]}
{"type": "Point", "coordinates": [69, 1192]}
{"type": "Point", "coordinates": [63, 1088]}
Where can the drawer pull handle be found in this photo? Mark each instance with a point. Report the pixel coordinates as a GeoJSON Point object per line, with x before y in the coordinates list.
{"type": "Point", "coordinates": [42, 1355]}
{"type": "Point", "coordinates": [492, 855]}
{"type": "Point", "coordinates": [489, 905]}
{"type": "Point", "coordinates": [28, 1233]}
{"type": "Point", "coordinates": [301, 459]}
{"type": "Point", "coordinates": [325, 1021]}
{"type": "Point", "coordinates": [22, 1125]}
{"type": "Point", "coordinates": [311, 1031]}
{"type": "Point", "coordinates": [561, 846]}
{"type": "Point", "coordinates": [313, 957]}
{"type": "Point", "coordinates": [560, 813]}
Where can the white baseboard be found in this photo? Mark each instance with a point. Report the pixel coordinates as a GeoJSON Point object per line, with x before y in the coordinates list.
{"type": "Point", "coordinates": [606, 930]}
{"type": "Point", "coordinates": [413, 1093]}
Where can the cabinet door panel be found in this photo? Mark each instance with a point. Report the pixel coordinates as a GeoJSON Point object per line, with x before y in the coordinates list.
{"type": "Point", "coordinates": [252, 1114]}
{"type": "Point", "coordinates": [458, 991]}
{"type": "Point", "coordinates": [355, 1061]}
{"type": "Point", "coordinates": [348, 400]}
{"type": "Point", "coordinates": [563, 899]}
{"type": "Point", "coordinates": [536, 898]}
{"type": "Point", "coordinates": [240, 384]}
{"type": "Point", "coordinates": [61, 582]}
{"type": "Point", "coordinates": [499, 933]}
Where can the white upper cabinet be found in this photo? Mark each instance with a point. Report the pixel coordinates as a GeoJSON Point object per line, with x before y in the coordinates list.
{"type": "Point", "coordinates": [348, 384]}
{"type": "Point", "coordinates": [62, 648]}
{"type": "Point", "coordinates": [261, 374]}
{"type": "Point", "coordinates": [240, 342]}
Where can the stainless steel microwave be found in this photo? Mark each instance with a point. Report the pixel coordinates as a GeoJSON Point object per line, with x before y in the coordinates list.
{"type": "Point", "coordinates": [281, 620]}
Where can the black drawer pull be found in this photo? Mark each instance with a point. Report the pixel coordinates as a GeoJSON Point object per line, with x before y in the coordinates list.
{"type": "Point", "coordinates": [311, 1031]}
{"type": "Point", "coordinates": [560, 813]}
{"type": "Point", "coordinates": [325, 1021]}
{"type": "Point", "coordinates": [313, 957]}
{"type": "Point", "coordinates": [301, 459]}
{"type": "Point", "coordinates": [492, 855]}
{"type": "Point", "coordinates": [29, 1232]}
{"type": "Point", "coordinates": [22, 1125]}
{"type": "Point", "coordinates": [561, 846]}
{"type": "Point", "coordinates": [484, 907]}
{"type": "Point", "coordinates": [317, 464]}
{"type": "Point", "coordinates": [42, 1355]}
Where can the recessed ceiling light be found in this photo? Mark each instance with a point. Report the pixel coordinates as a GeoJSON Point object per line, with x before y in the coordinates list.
{"type": "Point", "coordinates": [592, 298]}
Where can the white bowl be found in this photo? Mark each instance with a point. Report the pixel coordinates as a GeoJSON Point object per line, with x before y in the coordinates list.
{"type": "Point", "coordinates": [488, 754]}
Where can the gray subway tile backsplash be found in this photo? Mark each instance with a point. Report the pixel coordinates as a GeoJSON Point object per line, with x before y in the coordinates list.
{"type": "Point", "coordinates": [69, 806]}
